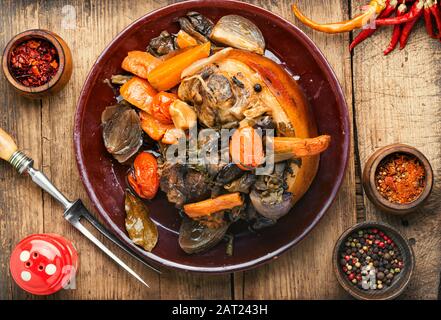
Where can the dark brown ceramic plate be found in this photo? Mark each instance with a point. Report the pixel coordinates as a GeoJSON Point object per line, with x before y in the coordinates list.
{"type": "Point", "coordinates": [104, 178]}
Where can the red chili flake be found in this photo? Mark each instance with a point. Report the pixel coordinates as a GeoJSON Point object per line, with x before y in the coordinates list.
{"type": "Point", "coordinates": [400, 178]}
{"type": "Point", "coordinates": [34, 62]}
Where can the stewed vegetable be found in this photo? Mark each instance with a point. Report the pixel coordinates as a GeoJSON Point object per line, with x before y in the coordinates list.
{"type": "Point", "coordinates": [224, 132]}
{"type": "Point", "coordinates": [140, 227]}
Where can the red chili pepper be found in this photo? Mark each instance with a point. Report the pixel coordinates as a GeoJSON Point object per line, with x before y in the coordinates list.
{"type": "Point", "coordinates": [366, 33]}
{"type": "Point", "coordinates": [434, 8]}
{"type": "Point", "coordinates": [407, 29]}
{"type": "Point", "coordinates": [415, 12]}
{"type": "Point", "coordinates": [397, 31]}
{"type": "Point", "coordinates": [428, 20]}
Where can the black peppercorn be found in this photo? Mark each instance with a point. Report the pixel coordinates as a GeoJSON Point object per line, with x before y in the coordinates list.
{"type": "Point", "coordinates": [257, 87]}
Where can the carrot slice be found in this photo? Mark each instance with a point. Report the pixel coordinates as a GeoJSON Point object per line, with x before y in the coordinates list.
{"type": "Point", "coordinates": [153, 127]}
{"type": "Point", "coordinates": [168, 74]}
{"type": "Point", "coordinates": [207, 207]}
{"type": "Point", "coordinates": [246, 148]}
{"type": "Point", "coordinates": [140, 63]}
{"type": "Point", "coordinates": [185, 40]}
{"type": "Point", "coordinates": [290, 147]}
{"type": "Point", "coordinates": [138, 92]}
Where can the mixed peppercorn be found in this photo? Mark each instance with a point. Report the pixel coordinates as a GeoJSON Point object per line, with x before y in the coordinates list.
{"type": "Point", "coordinates": [370, 259]}
{"type": "Point", "coordinates": [400, 178]}
{"type": "Point", "coordinates": [34, 62]}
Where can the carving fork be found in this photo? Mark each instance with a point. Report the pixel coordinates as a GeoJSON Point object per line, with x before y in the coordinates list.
{"type": "Point", "coordinates": [74, 211]}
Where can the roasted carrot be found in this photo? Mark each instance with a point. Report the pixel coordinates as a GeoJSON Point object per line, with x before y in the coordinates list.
{"type": "Point", "coordinates": [210, 206]}
{"type": "Point", "coordinates": [285, 148]}
{"type": "Point", "coordinates": [140, 63]}
{"type": "Point", "coordinates": [138, 92]}
{"type": "Point", "coordinates": [185, 40]}
{"type": "Point", "coordinates": [168, 74]}
{"type": "Point", "coordinates": [246, 148]}
{"type": "Point", "coordinates": [153, 127]}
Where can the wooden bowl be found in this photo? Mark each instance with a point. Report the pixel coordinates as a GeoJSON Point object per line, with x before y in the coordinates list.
{"type": "Point", "coordinates": [369, 184]}
{"type": "Point", "coordinates": [399, 283]}
{"type": "Point", "coordinates": [58, 81]}
{"type": "Point", "coordinates": [105, 179]}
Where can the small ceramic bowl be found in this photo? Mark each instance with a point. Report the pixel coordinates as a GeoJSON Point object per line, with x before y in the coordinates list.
{"type": "Point", "coordinates": [399, 282]}
{"type": "Point", "coordinates": [58, 81]}
{"type": "Point", "coordinates": [370, 187]}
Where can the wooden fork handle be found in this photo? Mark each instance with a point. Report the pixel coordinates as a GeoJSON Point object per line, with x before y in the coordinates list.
{"type": "Point", "coordinates": [7, 145]}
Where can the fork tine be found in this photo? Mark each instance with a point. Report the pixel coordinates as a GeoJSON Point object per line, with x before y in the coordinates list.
{"type": "Point", "coordinates": [97, 225]}
{"type": "Point", "coordinates": [77, 224]}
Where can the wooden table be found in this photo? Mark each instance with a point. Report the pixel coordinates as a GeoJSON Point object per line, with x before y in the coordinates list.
{"type": "Point", "coordinates": [391, 99]}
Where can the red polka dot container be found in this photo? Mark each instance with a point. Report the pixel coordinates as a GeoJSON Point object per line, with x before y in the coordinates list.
{"type": "Point", "coordinates": [43, 264]}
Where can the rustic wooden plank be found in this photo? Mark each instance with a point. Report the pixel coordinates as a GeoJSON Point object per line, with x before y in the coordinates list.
{"type": "Point", "coordinates": [398, 99]}
{"type": "Point", "coordinates": [21, 212]}
{"type": "Point", "coordinates": [97, 24]}
{"type": "Point", "coordinates": [303, 272]}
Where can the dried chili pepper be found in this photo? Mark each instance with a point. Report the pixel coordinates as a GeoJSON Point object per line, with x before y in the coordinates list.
{"type": "Point", "coordinates": [34, 62]}
{"type": "Point", "coordinates": [414, 13]}
{"type": "Point", "coordinates": [428, 18]}
{"type": "Point", "coordinates": [407, 29]}
{"type": "Point", "coordinates": [374, 8]}
{"type": "Point", "coordinates": [400, 178]}
{"type": "Point", "coordinates": [402, 8]}
{"type": "Point", "coordinates": [435, 12]}
{"type": "Point", "coordinates": [366, 33]}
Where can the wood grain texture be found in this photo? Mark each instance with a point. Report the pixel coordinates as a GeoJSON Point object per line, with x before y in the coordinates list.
{"type": "Point", "coordinates": [300, 273]}
{"type": "Point", "coordinates": [398, 99]}
{"type": "Point", "coordinates": [21, 210]}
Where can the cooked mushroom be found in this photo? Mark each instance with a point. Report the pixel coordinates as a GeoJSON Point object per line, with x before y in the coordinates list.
{"type": "Point", "coordinates": [196, 25]}
{"type": "Point", "coordinates": [201, 23]}
{"type": "Point", "coordinates": [243, 184]}
{"type": "Point", "coordinates": [183, 184]}
{"type": "Point", "coordinates": [122, 133]}
{"type": "Point", "coordinates": [238, 32]}
{"type": "Point", "coordinates": [227, 174]}
{"type": "Point", "coordinates": [163, 44]}
{"type": "Point", "coordinates": [195, 237]}
{"type": "Point", "coordinates": [218, 97]}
